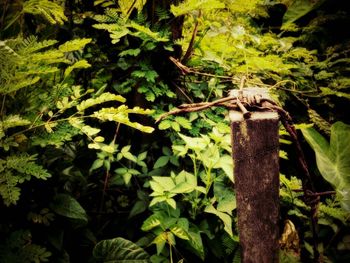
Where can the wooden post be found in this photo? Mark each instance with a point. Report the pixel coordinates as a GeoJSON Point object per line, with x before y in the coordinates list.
{"type": "Point", "coordinates": [255, 145]}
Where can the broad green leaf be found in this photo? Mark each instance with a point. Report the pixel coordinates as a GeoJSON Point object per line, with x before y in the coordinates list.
{"type": "Point", "coordinates": [96, 164]}
{"type": "Point", "coordinates": [196, 241]}
{"type": "Point", "coordinates": [139, 207]}
{"type": "Point", "coordinates": [157, 199]}
{"type": "Point", "coordinates": [67, 206]}
{"type": "Point", "coordinates": [183, 188]}
{"type": "Point", "coordinates": [166, 151]}
{"type": "Point", "coordinates": [171, 202]}
{"type": "Point", "coordinates": [151, 222]}
{"type": "Point", "coordinates": [211, 156]}
{"type": "Point", "coordinates": [160, 241]}
{"type": "Point", "coordinates": [119, 250]}
{"type": "Point", "coordinates": [226, 164]}
{"type": "Point", "coordinates": [226, 219]}
{"type": "Point", "coordinates": [332, 158]}
{"type": "Point", "coordinates": [298, 9]}
{"type": "Point", "coordinates": [179, 150]}
{"type": "Point", "coordinates": [163, 125]}
{"type": "Point", "coordinates": [183, 122]}
{"type": "Point", "coordinates": [162, 161]}
{"type": "Point", "coordinates": [127, 178]}
{"type": "Point", "coordinates": [227, 204]}
{"type": "Point", "coordinates": [166, 183]}
{"type": "Point", "coordinates": [195, 143]}
{"type": "Point", "coordinates": [179, 232]}
{"type": "Point", "coordinates": [175, 126]}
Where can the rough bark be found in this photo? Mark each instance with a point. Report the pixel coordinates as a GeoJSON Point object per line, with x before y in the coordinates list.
{"type": "Point", "coordinates": [256, 171]}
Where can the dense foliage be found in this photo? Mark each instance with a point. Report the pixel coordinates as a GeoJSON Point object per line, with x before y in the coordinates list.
{"type": "Point", "coordinates": [86, 175]}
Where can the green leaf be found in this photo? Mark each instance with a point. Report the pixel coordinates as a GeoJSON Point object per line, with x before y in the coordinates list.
{"type": "Point", "coordinates": [75, 44]}
{"type": "Point", "coordinates": [162, 161]}
{"type": "Point", "coordinates": [189, 5]}
{"type": "Point", "coordinates": [160, 241]}
{"type": "Point", "coordinates": [119, 250]}
{"type": "Point", "coordinates": [151, 222]}
{"type": "Point", "coordinates": [138, 208]}
{"type": "Point", "coordinates": [96, 164]}
{"type": "Point", "coordinates": [332, 159]}
{"type": "Point", "coordinates": [163, 125]}
{"type": "Point", "coordinates": [104, 97]}
{"type": "Point", "coordinates": [127, 6]}
{"type": "Point", "coordinates": [328, 91]}
{"type": "Point", "coordinates": [130, 52]}
{"type": "Point", "coordinates": [67, 206]}
{"type": "Point", "coordinates": [226, 164]}
{"type": "Point", "coordinates": [298, 9]}
{"type": "Point", "coordinates": [171, 202]}
{"type": "Point", "coordinates": [195, 143]}
{"type": "Point", "coordinates": [183, 122]}
{"type": "Point", "coordinates": [79, 64]}
{"type": "Point", "coordinates": [166, 183]}
{"type": "Point", "coordinates": [179, 232]}
{"type": "Point", "coordinates": [223, 216]}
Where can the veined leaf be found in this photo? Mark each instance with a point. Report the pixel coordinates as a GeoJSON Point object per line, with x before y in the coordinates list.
{"type": "Point", "coordinates": [298, 9]}
{"type": "Point", "coordinates": [227, 220]}
{"type": "Point", "coordinates": [179, 232]}
{"type": "Point", "coordinates": [162, 161]}
{"type": "Point", "coordinates": [332, 158]}
{"type": "Point", "coordinates": [151, 222]}
{"type": "Point", "coordinates": [119, 250]}
{"type": "Point", "coordinates": [69, 207]}
{"type": "Point", "coordinates": [166, 183]}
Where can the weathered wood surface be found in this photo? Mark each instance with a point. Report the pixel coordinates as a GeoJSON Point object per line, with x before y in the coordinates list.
{"type": "Point", "coordinates": [255, 147]}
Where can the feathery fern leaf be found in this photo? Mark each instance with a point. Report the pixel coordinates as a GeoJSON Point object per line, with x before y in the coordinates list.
{"type": "Point", "coordinates": [50, 11]}
{"type": "Point", "coordinates": [14, 170]}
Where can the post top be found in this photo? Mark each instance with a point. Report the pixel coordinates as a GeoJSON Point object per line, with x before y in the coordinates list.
{"type": "Point", "coordinates": [258, 115]}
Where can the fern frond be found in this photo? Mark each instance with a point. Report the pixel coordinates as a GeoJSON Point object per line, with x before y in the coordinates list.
{"type": "Point", "coordinates": [26, 165]}
{"type": "Point", "coordinates": [127, 6]}
{"type": "Point", "coordinates": [31, 45]}
{"type": "Point", "coordinates": [73, 45]}
{"type": "Point", "coordinates": [162, 13]}
{"type": "Point", "coordinates": [6, 50]}
{"type": "Point", "coordinates": [42, 217]}
{"type": "Point", "coordinates": [320, 122]}
{"type": "Point", "coordinates": [14, 170]}
{"type": "Point", "coordinates": [148, 32]}
{"type": "Point", "coordinates": [9, 192]}
{"type": "Point", "coordinates": [62, 133]}
{"type": "Point", "coordinates": [188, 6]}
{"type": "Point", "coordinates": [19, 247]}
{"type": "Point", "coordinates": [104, 97]}
{"type": "Point", "coordinates": [79, 64]}
{"type": "Point", "coordinates": [104, 3]}
{"type": "Point", "coordinates": [334, 212]}
{"type": "Point", "coordinates": [51, 11]}
{"type": "Point", "coordinates": [228, 244]}
{"type": "Point", "coordinates": [120, 114]}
